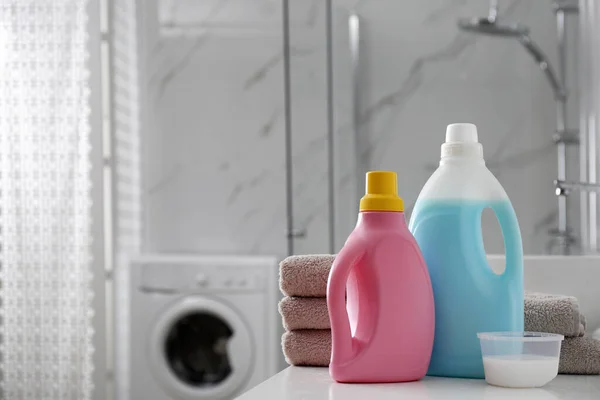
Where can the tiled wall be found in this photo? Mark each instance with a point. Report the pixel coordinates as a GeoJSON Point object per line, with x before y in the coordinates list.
{"type": "Point", "coordinates": [214, 117]}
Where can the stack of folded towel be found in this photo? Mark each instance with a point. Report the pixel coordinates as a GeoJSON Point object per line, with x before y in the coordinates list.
{"type": "Point", "coordinates": [560, 314]}
{"type": "Point", "coordinates": [303, 281]}
{"type": "Point", "coordinates": [307, 340]}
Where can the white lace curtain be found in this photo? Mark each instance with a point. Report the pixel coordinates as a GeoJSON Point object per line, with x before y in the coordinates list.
{"type": "Point", "coordinates": [45, 202]}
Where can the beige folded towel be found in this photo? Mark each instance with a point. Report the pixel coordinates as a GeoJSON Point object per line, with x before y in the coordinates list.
{"type": "Point", "coordinates": [304, 313]}
{"type": "Point", "coordinates": [307, 347]}
{"type": "Point", "coordinates": [580, 355]}
{"type": "Point", "coordinates": [305, 276]}
{"type": "Point", "coordinates": [553, 314]}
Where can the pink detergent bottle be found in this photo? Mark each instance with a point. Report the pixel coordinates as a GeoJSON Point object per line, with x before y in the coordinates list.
{"type": "Point", "coordinates": [379, 294]}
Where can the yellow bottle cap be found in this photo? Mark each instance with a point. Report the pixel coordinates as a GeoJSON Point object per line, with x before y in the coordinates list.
{"type": "Point", "coordinates": [381, 192]}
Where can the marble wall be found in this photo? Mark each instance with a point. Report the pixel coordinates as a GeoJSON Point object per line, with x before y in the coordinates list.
{"type": "Point", "coordinates": [214, 162]}
{"type": "Point", "coordinates": [213, 151]}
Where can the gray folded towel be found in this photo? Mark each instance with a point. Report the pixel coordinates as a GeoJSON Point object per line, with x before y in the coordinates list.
{"type": "Point", "coordinates": [553, 314]}
{"type": "Point", "coordinates": [580, 355]}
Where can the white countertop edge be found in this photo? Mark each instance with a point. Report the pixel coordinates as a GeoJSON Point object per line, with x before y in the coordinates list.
{"type": "Point", "coordinates": [303, 383]}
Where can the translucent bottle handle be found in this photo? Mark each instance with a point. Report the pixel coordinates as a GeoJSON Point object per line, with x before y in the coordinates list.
{"type": "Point", "coordinates": [512, 240]}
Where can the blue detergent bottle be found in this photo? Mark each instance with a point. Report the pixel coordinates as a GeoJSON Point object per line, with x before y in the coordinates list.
{"type": "Point", "coordinates": [446, 222]}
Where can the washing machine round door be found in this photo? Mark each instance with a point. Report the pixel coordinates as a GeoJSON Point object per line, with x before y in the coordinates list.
{"type": "Point", "coordinates": [201, 349]}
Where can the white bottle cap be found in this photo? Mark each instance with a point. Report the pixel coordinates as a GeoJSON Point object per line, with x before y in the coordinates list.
{"type": "Point", "coordinates": [464, 133]}
{"type": "Point", "coordinates": [461, 141]}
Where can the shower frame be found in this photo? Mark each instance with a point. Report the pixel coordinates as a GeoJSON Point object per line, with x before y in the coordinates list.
{"type": "Point", "coordinates": [563, 136]}
{"type": "Point", "coordinates": [587, 134]}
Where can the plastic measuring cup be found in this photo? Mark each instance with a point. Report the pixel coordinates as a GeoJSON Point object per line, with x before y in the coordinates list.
{"type": "Point", "coordinates": [520, 359]}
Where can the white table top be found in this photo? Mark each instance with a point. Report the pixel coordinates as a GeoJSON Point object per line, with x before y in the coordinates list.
{"type": "Point", "coordinates": [303, 383]}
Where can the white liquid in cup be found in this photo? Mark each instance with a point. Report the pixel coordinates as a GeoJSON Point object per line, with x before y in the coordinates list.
{"type": "Point", "coordinates": [520, 371]}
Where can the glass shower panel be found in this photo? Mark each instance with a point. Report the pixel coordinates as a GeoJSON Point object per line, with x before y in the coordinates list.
{"type": "Point", "coordinates": [403, 70]}
{"type": "Point", "coordinates": [326, 177]}
{"type": "Point", "coordinates": [350, 157]}
{"type": "Point", "coordinates": [306, 115]}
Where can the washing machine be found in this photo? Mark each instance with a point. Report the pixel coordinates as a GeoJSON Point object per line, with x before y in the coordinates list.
{"type": "Point", "coordinates": [202, 327]}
